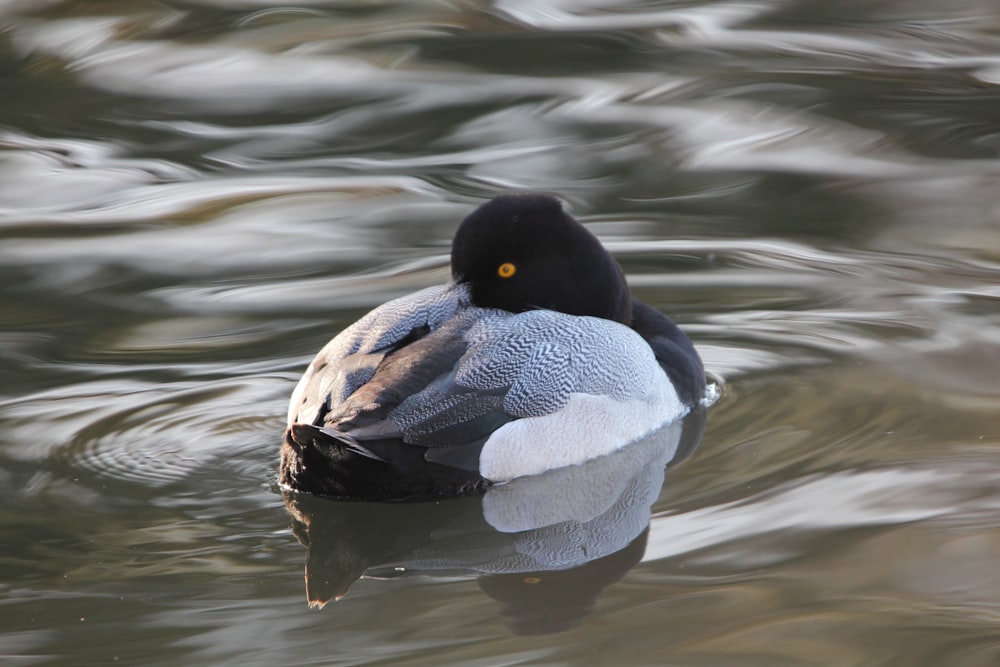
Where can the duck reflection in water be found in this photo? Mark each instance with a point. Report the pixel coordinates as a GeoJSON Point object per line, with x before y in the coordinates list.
{"type": "Point", "coordinates": [543, 546]}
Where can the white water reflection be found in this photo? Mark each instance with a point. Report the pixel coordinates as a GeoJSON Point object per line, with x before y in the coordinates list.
{"type": "Point", "coordinates": [818, 503]}
{"type": "Point", "coordinates": [74, 182]}
{"type": "Point", "coordinates": [618, 14]}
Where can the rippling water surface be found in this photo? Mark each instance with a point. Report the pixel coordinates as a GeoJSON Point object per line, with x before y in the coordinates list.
{"type": "Point", "coordinates": [196, 194]}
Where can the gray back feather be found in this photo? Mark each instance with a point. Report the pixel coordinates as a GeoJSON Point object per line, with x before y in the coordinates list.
{"type": "Point", "coordinates": [515, 366]}
{"type": "Point", "coordinates": [350, 359]}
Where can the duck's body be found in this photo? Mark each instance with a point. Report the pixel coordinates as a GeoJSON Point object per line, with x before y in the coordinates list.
{"type": "Point", "coordinates": [535, 357]}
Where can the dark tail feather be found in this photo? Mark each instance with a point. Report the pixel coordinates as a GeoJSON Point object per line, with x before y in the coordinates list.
{"type": "Point", "coordinates": [325, 463]}
{"type": "Point", "coordinates": [305, 431]}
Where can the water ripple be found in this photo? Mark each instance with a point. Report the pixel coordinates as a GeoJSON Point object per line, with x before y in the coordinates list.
{"type": "Point", "coordinates": [196, 195]}
{"type": "Point", "coordinates": [74, 182]}
{"type": "Point", "coordinates": [148, 435]}
{"type": "Point", "coordinates": [616, 15]}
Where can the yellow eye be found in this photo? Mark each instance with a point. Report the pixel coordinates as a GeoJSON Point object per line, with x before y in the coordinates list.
{"type": "Point", "coordinates": [506, 270]}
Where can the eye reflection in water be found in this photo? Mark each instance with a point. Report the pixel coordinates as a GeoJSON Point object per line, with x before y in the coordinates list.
{"type": "Point", "coordinates": [544, 547]}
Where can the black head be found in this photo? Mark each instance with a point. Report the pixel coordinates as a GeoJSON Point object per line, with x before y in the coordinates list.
{"type": "Point", "coordinates": [523, 252]}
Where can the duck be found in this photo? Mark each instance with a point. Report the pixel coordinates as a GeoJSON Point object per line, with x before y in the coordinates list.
{"type": "Point", "coordinates": [535, 356]}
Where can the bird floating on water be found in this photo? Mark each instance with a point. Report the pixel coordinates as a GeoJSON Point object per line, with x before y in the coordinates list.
{"type": "Point", "coordinates": [535, 356]}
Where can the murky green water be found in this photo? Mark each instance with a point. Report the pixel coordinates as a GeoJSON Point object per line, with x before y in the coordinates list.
{"type": "Point", "coordinates": [196, 194]}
